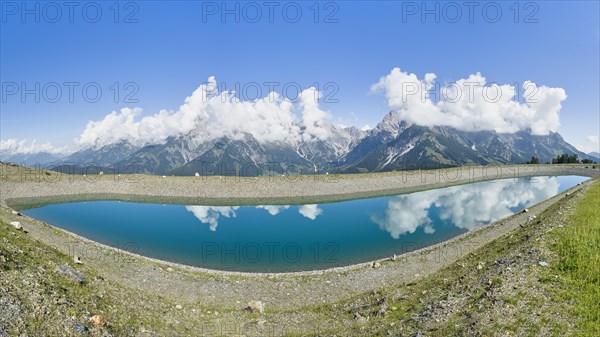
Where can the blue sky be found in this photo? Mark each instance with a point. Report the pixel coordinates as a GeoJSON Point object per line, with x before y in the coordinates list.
{"type": "Point", "coordinates": [174, 47]}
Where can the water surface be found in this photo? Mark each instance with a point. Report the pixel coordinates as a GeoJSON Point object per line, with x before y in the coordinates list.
{"type": "Point", "coordinates": [278, 238]}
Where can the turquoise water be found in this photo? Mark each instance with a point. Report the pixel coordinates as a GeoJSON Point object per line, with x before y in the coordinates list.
{"type": "Point", "coordinates": [299, 237]}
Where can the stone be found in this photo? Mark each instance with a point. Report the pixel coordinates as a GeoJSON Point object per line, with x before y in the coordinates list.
{"type": "Point", "coordinates": [77, 260]}
{"type": "Point", "coordinates": [525, 210]}
{"type": "Point", "coordinates": [543, 263]}
{"type": "Point", "coordinates": [178, 307]}
{"type": "Point", "coordinates": [256, 306]}
{"type": "Point", "coordinates": [197, 174]}
{"type": "Point", "coordinates": [97, 320]}
{"type": "Point", "coordinates": [16, 225]}
{"type": "Point", "coordinates": [375, 264]}
{"type": "Point", "coordinates": [82, 329]}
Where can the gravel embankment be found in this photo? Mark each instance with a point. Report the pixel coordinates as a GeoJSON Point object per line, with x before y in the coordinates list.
{"type": "Point", "coordinates": [33, 187]}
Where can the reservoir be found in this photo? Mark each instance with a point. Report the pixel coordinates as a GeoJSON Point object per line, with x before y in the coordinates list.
{"type": "Point", "coordinates": [284, 238]}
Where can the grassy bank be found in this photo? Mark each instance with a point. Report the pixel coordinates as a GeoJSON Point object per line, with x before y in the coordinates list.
{"type": "Point", "coordinates": [578, 249]}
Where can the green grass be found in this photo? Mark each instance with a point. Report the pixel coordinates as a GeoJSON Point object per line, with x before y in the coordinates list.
{"type": "Point", "coordinates": [578, 246]}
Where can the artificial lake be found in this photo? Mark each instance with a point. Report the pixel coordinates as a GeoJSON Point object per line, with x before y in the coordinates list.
{"type": "Point", "coordinates": [283, 238]}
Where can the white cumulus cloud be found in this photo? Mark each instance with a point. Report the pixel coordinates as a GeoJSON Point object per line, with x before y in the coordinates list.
{"type": "Point", "coordinates": [472, 104]}
{"type": "Point", "coordinates": [211, 111]}
{"type": "Point", "coordinates": [217, 113]}
{"type": "Point", "coordinates": [23, 146]}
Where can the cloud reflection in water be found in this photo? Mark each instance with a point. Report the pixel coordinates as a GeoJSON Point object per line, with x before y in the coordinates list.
{"type": "Point", "coordinates": [211, 214]}
{"type": "Point", "coordinates": [466, 206]}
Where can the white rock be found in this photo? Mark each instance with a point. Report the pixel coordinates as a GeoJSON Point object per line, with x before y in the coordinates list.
{"type": "Point", "coordinates": [178, 306]}
{"type": "Point", "coordinates": [77, 260]}
{"type": "Point", "coordinates": [15, 212]}
{"type": "Point", "coordinates": [256, 306]}
{"type": "Point", "coordinates": [101, 173]}
{"type": "Point", "coordinates": [197, 174]}
{"type": "Point", "coordinates": [16, 225]}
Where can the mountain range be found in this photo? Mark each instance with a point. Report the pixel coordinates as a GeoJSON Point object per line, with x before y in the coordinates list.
{"type": "Point", "coordinates": [594, 156]}
{"type": "Point", "coordinates": [392, 145]}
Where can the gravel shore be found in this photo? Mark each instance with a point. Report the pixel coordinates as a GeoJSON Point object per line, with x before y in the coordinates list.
{"type": "Point", "coordinates": [27, 187]}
